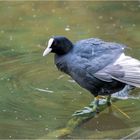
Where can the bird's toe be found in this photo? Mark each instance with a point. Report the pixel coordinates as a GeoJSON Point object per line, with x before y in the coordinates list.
{"type": "Point", "coordinates": [84, 111]}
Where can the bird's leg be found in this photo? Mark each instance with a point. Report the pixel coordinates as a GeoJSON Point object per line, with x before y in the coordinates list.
{"type": "Point", "coordinates": [92, 108]}
{"type": "Point", "coordinates": [94, 104]}
{"type": "Point", "coordinates": [109, 100]}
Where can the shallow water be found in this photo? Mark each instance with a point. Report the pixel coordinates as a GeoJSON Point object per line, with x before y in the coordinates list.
{"type": "Point", "coordinates": [35, 98]}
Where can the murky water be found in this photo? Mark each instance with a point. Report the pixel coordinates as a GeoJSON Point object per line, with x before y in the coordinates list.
{"type": "Point", "coordinates": [35, 98]}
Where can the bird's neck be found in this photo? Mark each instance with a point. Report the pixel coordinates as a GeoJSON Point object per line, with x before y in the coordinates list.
{"type": "Point", "coordinates": [61, 63]}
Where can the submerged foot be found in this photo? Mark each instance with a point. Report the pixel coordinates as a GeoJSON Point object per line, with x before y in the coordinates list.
{"type": "Point", "coordinates": [91, 109]}
{"type": "Point", "coordinates": [86, 111]}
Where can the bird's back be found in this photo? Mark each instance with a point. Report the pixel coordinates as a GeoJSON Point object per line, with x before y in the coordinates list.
{"type": "Point", "coordinates": [97, 53]}
{"type": "Point", "coordinates": [86, 58]}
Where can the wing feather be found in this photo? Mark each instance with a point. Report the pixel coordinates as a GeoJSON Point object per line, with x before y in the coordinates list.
{"type": "Point", "coordinates": [125, 69]}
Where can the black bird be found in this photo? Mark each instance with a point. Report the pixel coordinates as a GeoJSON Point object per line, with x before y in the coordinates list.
{"type": "Point", "coordinates": [98, 66]}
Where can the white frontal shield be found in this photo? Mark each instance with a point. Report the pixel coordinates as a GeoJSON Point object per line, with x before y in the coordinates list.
{"type": "Point", "coordinates": [48, 49]}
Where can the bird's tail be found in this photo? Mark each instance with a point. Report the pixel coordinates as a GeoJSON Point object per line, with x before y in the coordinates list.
{"type": "Point", "coordinates": [131, 69]}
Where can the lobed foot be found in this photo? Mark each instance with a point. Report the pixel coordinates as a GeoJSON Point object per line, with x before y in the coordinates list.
{"type": "Point", "coordinates": [92, 108]}
{"type": "Point", "coordinates": [84, 111]}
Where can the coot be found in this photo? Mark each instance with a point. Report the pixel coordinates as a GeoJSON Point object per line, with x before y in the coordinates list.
{"type": "Point", "coordinates": [98, 66]}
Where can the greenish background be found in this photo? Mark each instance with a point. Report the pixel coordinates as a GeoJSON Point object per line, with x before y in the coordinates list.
{"type": "Point", "coordinates": [35, 98]}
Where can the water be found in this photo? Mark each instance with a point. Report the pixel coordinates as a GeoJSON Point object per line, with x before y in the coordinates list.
{"type": "Point", "coordinates": [36, 99]}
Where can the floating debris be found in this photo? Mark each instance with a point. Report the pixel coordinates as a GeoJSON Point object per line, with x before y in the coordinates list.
{"type": "Point", "coordinates": [44, 90]}
{"type": "Point", "coordinates": [8, 79]}
{"type": "Point", "coordinates": [61, 76]}
{"type": "Point", "coordinates": [71, 81]}
{"type": "Point", "coordinates": [67, 28]}
{"type": "Point", "coordinates": [46, 128]}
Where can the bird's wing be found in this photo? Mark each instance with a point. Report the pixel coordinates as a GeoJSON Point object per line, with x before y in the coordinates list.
{"type": "Point", "coordinates": [95, 54]}
{"type": "Point", "coordinates": [125, 69]}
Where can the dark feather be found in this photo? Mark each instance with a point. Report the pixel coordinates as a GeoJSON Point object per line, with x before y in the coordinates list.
{"type": "Point", "coordinates": [88, 57]}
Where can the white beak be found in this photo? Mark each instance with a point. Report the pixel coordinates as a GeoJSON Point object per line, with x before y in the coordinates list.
{"type": "Point", "coordinates": [48, 49]}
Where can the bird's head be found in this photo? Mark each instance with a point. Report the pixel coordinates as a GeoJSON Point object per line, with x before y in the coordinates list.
{"type": "Point", "coordinates": [59, 45]}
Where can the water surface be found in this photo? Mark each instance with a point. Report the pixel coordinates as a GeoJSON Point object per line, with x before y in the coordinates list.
{"type": "Point", "coordinates": [35, 98]}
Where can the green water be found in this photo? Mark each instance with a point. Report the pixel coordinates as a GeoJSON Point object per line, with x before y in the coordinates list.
{"type": "Point", "coordinates": [26, 109]}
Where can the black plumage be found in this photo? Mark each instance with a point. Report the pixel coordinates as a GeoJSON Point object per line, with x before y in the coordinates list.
{"type": "Point", "coordinates": [98, 66]}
